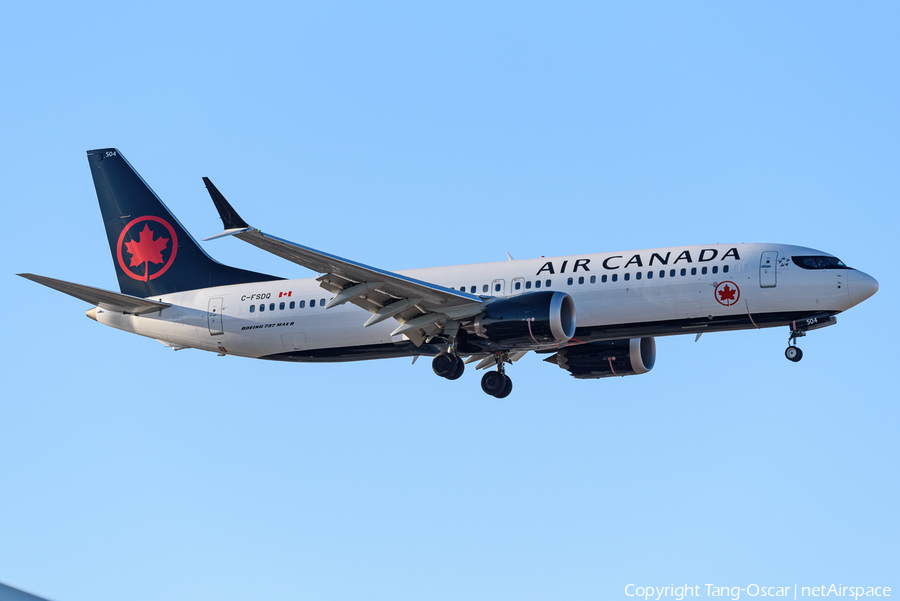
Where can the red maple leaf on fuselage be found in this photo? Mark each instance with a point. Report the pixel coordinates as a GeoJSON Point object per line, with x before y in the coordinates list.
{"type": "Point", "coordinates": [727, 293]}
{"type": "Point", "coordinates": [145, 249]}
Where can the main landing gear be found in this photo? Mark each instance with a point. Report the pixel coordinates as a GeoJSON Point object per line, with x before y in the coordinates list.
{"type": "Point", "coordinates": [495, 383]}
{"type": "Point", "coordinates": [448, 366]}
{"type": "Point", "coordinates": [793, 352]}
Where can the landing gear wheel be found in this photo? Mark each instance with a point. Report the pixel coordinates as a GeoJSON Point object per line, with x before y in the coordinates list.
{"type": "Point", "coordinates": [460, 368]}
{"type": "Point", "coordinates": [494, 383]}
{"type": "Point", "coordinates": [793, 353]}
{"type": "Point", "coordinates": [506, 389]}
{"type": "Point", "coordinates": [445, 365]}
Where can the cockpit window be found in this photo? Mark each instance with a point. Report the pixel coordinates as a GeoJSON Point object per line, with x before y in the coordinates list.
{"type": "Point", "coordinates": [819, 262]}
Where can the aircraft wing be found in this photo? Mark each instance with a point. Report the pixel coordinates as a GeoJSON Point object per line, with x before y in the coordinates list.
{"type": "Point", "coordinates": [111, 301]}
{"type": "Point", "coordinates": [422, 308]}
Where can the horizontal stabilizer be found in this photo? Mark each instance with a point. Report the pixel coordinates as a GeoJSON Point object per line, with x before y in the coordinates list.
{"type": "Point", "coordinates": [8, 593]}
{"type": "Point", "coordinates": [111, 301]}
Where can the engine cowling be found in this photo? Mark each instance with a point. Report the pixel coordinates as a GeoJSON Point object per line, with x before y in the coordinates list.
{"type": "Point", "coordinates": [607, 359]}
{"type": "Point", "coordinates": [528, 320]}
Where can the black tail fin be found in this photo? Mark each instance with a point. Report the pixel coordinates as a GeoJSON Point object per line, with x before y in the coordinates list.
{"type": "Point", "coordinates": [152, 253]}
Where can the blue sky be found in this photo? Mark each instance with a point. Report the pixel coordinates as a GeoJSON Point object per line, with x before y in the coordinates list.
{"type": "Point", "coordinates": [408, 135]}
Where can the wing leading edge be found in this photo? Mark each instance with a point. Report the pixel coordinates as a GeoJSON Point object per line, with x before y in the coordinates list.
{"type": "Point", "coordinates": [423, 309]}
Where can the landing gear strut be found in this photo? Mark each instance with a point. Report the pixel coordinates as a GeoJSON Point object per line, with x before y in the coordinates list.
{"type": "Point", "coordinates": [793, 352]}
{"type": "Point", "coordinates": [497, 383]}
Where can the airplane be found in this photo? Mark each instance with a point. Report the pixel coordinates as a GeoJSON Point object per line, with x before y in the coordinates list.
{"type": "Point", "coordinates": [593, 315]}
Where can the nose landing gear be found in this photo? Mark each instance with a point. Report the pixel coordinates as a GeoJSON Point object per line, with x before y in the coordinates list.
{"type": "Point", "coordinates": [793, 352]}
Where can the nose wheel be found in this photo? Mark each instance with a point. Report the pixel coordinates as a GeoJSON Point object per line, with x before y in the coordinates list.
{"type": "Point", "coordinates": [793, 352]}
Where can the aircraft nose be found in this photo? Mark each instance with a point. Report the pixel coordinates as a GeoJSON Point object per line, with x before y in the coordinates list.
{"type": "Point", "coordinates": [862, 286]}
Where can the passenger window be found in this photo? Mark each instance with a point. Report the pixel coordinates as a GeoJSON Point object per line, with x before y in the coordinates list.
{"type": "Point", "coordinates": [715, 269]}
{"type": "Point", "coordinates": [518, 285]}
{"type": "Point", "coordinates": [528, 285]}
{"type": "Point", "coordinates": [672, 273]}
{"type": "Point", "coordinates": [581, 280]}
{"type": "Point", "coordinates": [496, 287]}
{"type": "Point", "coordinates": [312, 303]}
{"type": "Point", "coordinates": [262, 308]}
{"type": "Point", "coordinates": [252, 308]}
{"type": "Point", "coordinates": [293, 304]}
{"type": "Point", "coordinates": [302, 304]}
{"type": "Point", "coordinates": [547, 283]}
{"type": "Point", "coordinates": [484, 288]}
{"type": "Point", "coordinates": [724, 268]}
{"type": "Point", "coordinates": [627, 276]}
{"type": "Point", "coordinates": [683, 271]}
{"type": "Point", "coordinates": [649, 275]}
{"type": "Point", "coordinates": [615, 277]}
{"type": "Point", "coordinates": [637, 276]}
{"type": "Point", "coordinates": [281, 306]}
{"type": "Point", "coordinates": [693, 271]}
{"type": "Point", "coordinates": [703, 271]}
{"type": "Point", "coordinates": [321, 302]}
{"type": "Point", "coordinates": [593, 279]}
{"type": "Point", "coordinates": [473, 289]}
{"type": "Point", "coordinates": [271, 306]}
{"type": "Point", "coordinates": [571, 281]}
{"type": "Point", "coordinates": [537, 283]}
{"type": "Point", "coordinates": [603, 278]}
{"type": "Point", "coordinates": [662, 273]}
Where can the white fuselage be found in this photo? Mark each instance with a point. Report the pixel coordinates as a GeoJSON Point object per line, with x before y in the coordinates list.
{"type": "Point", "coordinates": [664, 291]}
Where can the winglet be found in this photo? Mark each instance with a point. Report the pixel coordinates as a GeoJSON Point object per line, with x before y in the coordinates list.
{"type": "Point", "coordinates": [230, 219]}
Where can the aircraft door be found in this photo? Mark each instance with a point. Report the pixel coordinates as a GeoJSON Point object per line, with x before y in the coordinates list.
{"type": "Point", "coordinates": [215, 317]}
{"type": "Point", "coordinates": [518, 286]}
{"type": "Point", "coordinates": [767, 266]}
{"type": "Point", "coordinates": [498, 287]}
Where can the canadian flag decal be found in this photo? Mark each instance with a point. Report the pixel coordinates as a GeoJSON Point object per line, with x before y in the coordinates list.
{"type": "Point", "coordinates": [288, 293]}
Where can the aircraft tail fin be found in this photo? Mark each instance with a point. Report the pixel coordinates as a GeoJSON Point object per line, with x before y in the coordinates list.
{"type": "Point", "coordinates": [151, 251]}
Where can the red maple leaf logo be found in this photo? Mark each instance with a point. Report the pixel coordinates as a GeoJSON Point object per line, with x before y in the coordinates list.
{"type": "Point", "coordinates": [727, 293]}
{"type": "Point", "coordinates": [146, 249]}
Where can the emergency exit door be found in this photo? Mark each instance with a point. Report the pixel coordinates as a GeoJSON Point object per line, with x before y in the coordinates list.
{"type": "Point", "coordinates": [215, 317]}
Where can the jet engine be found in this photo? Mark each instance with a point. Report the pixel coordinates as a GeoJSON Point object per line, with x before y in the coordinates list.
{"type": "Point", "coordinates": [606, 359]}
{"type": "Point", "coordinates": [528, 320]}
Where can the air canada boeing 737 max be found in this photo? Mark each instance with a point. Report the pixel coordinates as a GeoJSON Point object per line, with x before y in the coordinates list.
{"type": "Point", "coordinates": [593, 315]}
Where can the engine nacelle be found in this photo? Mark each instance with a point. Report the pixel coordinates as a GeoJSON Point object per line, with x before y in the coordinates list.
{"type": "Point", "coordinates": [528, 320]}
{"type": "Point", "coordinates": [606, 359]}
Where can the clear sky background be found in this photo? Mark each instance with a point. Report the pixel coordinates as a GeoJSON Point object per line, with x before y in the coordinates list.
{"type": "Point", "coordinates": [410, 135]}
